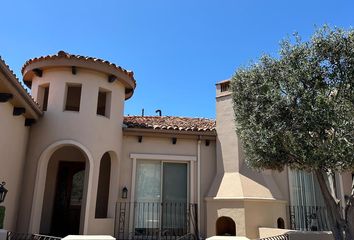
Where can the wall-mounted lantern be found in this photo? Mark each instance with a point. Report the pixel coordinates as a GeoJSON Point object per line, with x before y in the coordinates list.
{"type": "Point", "coordinates": [125, 193]}
{"type": "Point", "coordinates": [3, 192]}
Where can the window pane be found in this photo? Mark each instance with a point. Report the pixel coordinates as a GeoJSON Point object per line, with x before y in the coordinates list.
{"type": "Point", "coordinates": [148, 194]}
{"type": "Point", "coordinates": [42, 96]}
{"type": "Point", "coordinates": [174, 182]}
{"type": "Point", "coordinates": [73, 98]}
{"type": "Point", "coordinates": [174, 197]}
{"type": "Point", "coordinates": [101, 103]}
{"type": "Point", "coordinates": [77, 188]}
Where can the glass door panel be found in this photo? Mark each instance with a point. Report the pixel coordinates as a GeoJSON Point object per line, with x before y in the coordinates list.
{"type": "Point", "coordinates": [148, 197]}
{"type": "Point", "coordinates": [174, 198]}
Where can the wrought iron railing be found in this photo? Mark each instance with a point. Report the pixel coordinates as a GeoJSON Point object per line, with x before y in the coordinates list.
{"type": "Point", "coordinates": [308, 218]}
{"type": "Point", "coordinates": [29, 236]}
{"type": "Point", "coordinates": [280, 237]}
{"type": "Point", "coordinates": [156, 220]}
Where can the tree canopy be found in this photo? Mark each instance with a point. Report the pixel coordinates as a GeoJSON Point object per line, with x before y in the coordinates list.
{"type": "Point", "coordinates": [297, 109]}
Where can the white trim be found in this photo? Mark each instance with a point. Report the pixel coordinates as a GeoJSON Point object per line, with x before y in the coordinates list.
{"type": "Point", "coordinates": [132, 197]}
{"type": "Point", "coordinates": [191, 182]}
{"type": "Point", "coordinates": [245, 199]}
{"type": "Point", "coordinates": [199, 184]}
{"type": "Point", "coordinates": [162, 157]}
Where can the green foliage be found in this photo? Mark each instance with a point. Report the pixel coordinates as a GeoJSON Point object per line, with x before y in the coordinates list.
{"type": "Point", "coordinates": [2, 216]}
{"type": "Point", "coordinates": [297, 110]}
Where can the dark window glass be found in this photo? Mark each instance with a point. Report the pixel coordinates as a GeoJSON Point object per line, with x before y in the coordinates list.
{"type": "Point", "coordinates": [73, 98]}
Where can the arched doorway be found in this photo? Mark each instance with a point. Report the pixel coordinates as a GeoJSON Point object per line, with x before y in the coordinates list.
{"type": "Point", "coordinates": [225, 226]}
{"type": "Point", "coordinates": [64, 200]}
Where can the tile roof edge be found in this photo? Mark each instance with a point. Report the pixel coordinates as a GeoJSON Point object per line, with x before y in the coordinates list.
{"type": "Point", "coordinates": [63, 54]}
{"type": "Point", "coordinates": [169, 131]}
{"type": "Point", "coordinates": [147, 116]}
{"type": "Point", "coordinates": [15, 82]}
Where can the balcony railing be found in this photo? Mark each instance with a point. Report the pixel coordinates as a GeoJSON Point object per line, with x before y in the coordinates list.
{"type": "Point", "coordinates": [280, 237]}
{"type": "Point", "coordinates": [156, 220]}
{"type": "Point", "coordinates": [308, 218]}
{"type": "Point", "coordinates": [29, 236]}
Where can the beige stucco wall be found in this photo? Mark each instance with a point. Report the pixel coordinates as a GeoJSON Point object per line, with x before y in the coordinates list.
{"type": "Point", "coordinates": [96, 134]}
{"type": "Point", "coordinates": [261, 213]}
{"type": "Point", "coordinates": [208, 171]}
{"type": "Point", "coordinates": [347, 181]}
{"type": "Point", "coordinates": [248, 214]}
{"type": "Point", "coordinates": [183, 147]}
{"type": "Point", "coordinates": [13, 143]}
{"type": "Point", "coordinates": [225, 208]}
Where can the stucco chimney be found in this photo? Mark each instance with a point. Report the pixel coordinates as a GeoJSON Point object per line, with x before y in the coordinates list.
{"type": "Point", "coordinates": [234, 178]}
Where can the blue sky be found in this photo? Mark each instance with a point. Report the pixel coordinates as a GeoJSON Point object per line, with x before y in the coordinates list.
{"type": "Point", "coordinates": [177, 49]}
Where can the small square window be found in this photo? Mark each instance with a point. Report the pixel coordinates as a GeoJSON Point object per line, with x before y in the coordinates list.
{"type": "Point", "coordinates": [103, 103]}
{"type": "Point", "coordinates": [73, 98]}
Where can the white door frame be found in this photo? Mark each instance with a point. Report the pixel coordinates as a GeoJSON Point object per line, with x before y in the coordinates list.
{"type": "Point", "coordinates": [190, 160]}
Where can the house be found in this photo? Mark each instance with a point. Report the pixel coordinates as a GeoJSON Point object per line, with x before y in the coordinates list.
{"type": "Point", "coordinates": [74, 164]}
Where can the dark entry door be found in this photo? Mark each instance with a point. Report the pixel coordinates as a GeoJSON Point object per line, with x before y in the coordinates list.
{"type": "Point", "coordinates": [68, 199]}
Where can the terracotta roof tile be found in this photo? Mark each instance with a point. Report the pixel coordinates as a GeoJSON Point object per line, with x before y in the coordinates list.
{"type": "Point", "coordinates": [170, 123]}
{"type": "Point", "coordinates": [22, 88]}
{"type": "Point", "coordinates": [62, 54]}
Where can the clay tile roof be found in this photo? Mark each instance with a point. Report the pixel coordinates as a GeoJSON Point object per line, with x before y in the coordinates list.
{"type": "Point", "coordinates": [170, 123]}
{"type": "Point", "coordinates": [62, 54]}
{"type": "Point", "coordinates": [20, 87]}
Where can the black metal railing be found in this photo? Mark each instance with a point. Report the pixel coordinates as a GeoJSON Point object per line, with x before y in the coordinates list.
{"type": "Point", "coordinates": [156, 220]}
{"type": "Point", "coordinates": [29, 236]}
{"type": "Point", "coordinates": [309, 218]}
{"type": "Point", "coordinates": [280, 237]}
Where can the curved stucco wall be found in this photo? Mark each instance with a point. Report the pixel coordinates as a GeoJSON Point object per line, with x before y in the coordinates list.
{"type": "Point", "coordinates": [98, 134]}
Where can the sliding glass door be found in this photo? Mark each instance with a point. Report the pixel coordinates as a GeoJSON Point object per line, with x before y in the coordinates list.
{"type": "Point", "coordinates": [161, 195]}
{"type": "Point", "coordinates": [174, 198]}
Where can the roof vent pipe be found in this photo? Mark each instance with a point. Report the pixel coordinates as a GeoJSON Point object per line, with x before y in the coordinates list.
{"type": "Point", "coordinates": [142, 112]}
{"type": "Point", "coordinates": [158, 111]}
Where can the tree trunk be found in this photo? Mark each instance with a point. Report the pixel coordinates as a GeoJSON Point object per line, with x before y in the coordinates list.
{"type": "Point", "coordinates": [334, 214]}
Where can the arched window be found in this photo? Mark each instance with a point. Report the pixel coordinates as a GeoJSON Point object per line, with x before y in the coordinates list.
{"type": "Point", "coordinates": [225, 226]}
{"type": "Point", "coordinates": [103, 187]}
{"type": "Point", "coordinates": [281, 223]}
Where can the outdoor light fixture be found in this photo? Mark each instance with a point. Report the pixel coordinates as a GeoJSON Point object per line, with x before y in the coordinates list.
{"type": "Point", "coordinates": [125, 193]}
{"type": "Point", "coordinates": [3, 192]}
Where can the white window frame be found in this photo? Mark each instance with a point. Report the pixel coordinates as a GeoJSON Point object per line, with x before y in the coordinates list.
{"type": "Point", "coordinates": [190, 160]}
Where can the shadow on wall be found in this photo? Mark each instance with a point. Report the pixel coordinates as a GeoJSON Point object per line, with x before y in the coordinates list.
{"type": "Point", "coordinates": [225, 226]}
{"type": "Point", "coordinates": [220, 170]}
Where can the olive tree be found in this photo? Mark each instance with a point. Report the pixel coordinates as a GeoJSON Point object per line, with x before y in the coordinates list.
{"type": "Point", "coordinates": [297, 110]}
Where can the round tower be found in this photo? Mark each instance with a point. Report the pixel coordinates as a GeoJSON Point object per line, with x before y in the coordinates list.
{"type": "Point", "coordinates": [74, 149]}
